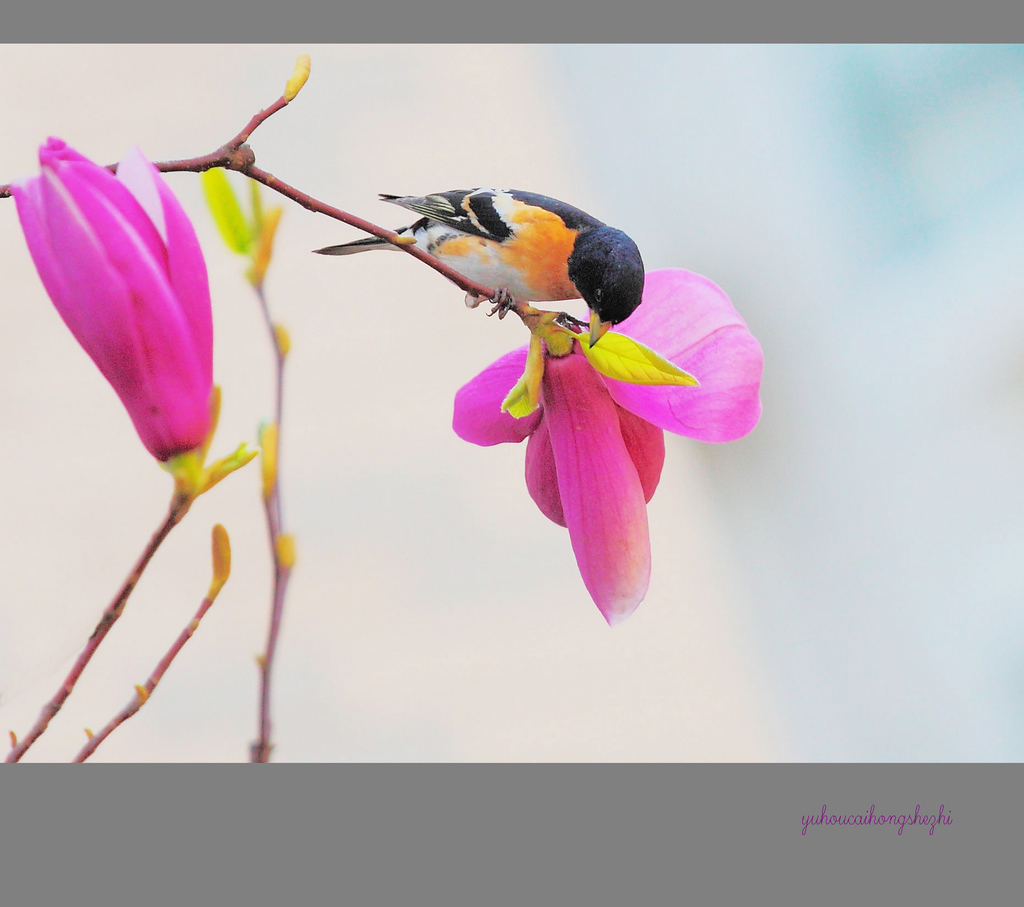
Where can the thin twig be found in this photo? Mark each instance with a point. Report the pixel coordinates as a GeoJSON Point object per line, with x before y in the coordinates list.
{"type": "Point", "coordinates": [144, 691]}
{"type": "Point", "coordinates": [221, 551]}
{"type": "Point", "coordinates": [230, 155]}
{"type": "Point", "coordinates": [180, 504]}
{"type": "Point", "coordinates": [319, 207]}
{"type": "Point", "coordinates": [262, 746]}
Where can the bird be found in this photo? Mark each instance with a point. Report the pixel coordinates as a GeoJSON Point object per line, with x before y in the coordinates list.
{"type": "Point", "coordinates": [537, 248]}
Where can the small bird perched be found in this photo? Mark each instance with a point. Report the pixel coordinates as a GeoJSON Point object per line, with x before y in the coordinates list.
{"type": "Point", "coordinates": [537, 248]}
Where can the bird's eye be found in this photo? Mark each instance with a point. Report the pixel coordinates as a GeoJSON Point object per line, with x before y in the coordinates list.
{"type": "Point", "coordinates": [597, 294]}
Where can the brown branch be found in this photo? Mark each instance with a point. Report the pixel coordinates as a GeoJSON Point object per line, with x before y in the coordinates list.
{"type": "Point", "coordinates": [221, 571]}
{"type": "Point", "coordinates": [141, 698]}
{"type": "Point", "coordinates": [319, 207]}
{"type": "Point", "coordinates": [232, 155]}
{"type": "Point", "coordinates": [237, 155]}
{"type": "Point", "coordinates": [262, 746]}
{"type": "Point", "coordinates": [180, 504]}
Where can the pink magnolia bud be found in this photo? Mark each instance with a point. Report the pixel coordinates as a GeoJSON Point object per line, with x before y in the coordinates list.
{"type": "Point", "coordinates": [122, 264]}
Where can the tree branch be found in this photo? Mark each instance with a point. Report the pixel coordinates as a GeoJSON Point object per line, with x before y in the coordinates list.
{"type": "Point", "coordinates": [180, 504]}
{"type": "Point", "coordinates": [221, 571]}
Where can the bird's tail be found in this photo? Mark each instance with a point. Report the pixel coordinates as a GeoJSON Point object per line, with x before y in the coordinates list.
{"type": "Point", "coordinates": [359, 245]}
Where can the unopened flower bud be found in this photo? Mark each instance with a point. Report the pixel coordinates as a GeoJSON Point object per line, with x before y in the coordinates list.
{"type": "Point", "coordinates": [284, 550]}
{"type": "Point", "coordinates": [221, 545]}
{"type": "Point", "coordinates": [299, 76]}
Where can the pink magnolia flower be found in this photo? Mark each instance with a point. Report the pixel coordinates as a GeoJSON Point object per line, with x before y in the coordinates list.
{"type": "Point", "coordinates": [597, 446]}
{"type": "Point", "coordinates": [122, 264]}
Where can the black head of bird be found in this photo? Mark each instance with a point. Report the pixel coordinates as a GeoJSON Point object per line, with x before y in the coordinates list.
{"type": "Point", "coordinates": [608, 271]}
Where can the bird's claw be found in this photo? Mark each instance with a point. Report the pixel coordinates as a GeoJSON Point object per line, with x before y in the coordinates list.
{"type": "Point", "coordinates": [568, 321]}
{"type": "Point", "coordinates": [504, 302]}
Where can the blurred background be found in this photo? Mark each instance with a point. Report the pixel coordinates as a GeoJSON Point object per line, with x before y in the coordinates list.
{"type": "Point", "coordinates": [846, 583]}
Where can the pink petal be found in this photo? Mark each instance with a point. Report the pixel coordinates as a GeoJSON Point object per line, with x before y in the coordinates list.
{"type": "Point", "coordinates": [599, 488]}
{"type": "Point", "coordinates": [28, 201]}
{"type": "Point", "coordinates": [56, 150]}
{"type": "Point", "coordinates": [77, 172]}
{"type": "Point", "coordinates": [186, 267]}
{"type": "Point", "coordinates": [541, 475]}
{"type": "Point", "coordinates": [149, 357]}
{"type": "Point", "coordinates": [93, 297]}
{"type": "Point", "coordinates": [141, 178]}
{"type": "Point", "coordinates": [118, 225]}
{"type": "Point", "coordinates": [646, 445]}
{"type": "Point", "coordinates": [690, 321]}
{"type": "Point", "coordinates": [478, 417]}
{"type": "Point", "coordinates": [94, 248]}
{"type": "Point", "coordinates": [187, 273]}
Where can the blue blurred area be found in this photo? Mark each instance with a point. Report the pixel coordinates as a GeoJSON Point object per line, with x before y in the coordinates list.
{"type": "Point", "coordinates": [864, 209]}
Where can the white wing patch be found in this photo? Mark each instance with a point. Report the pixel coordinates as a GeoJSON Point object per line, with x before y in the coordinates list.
{"type": "Point", "coordinates": [504, 204]}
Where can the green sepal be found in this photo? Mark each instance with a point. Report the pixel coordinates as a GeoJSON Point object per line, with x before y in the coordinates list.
{"type": "Point", "coordinates": [187, 470]}
{"type": "Point", "coordinates": [524, 398]}
{"type": "Point", "coordinates": [222, 468]}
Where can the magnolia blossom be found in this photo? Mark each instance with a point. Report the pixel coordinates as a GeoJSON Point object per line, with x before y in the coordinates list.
{"type": "Point", "coordinates": [596, 445]}
{"type": "Point", "coordinates": [122, 264]}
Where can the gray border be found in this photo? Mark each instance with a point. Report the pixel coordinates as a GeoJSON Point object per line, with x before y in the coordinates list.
{"type": "Point", "coordinates": [464, 21]}
{"type": "Point", "coordinates": [491, 835]}
{"type": "Point", "coordinates": [516, 835]}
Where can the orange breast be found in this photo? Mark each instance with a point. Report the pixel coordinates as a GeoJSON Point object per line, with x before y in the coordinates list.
{"type": "Point", "coordinates": [532, 263]}
{"type": "Point", "coordinates": [540, 250]}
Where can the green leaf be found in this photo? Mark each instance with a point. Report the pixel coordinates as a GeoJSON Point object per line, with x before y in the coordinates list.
{"type": "Point", "coordinates": [257, 206]}
{"type": "Point", "coordinates": [227, 214]}
{"type": "Point", "coordinates": [625, 359]}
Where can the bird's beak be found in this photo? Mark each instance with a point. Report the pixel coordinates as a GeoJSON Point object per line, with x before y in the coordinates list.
{"type": "Point", "coordinates": [598, 328]}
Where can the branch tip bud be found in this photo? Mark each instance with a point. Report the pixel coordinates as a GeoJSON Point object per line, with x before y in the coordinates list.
{"type": "Point", "coordinates": [88, 733]}
{"type": "Point", "coordinates": [268, 446]}
{"type": "Point", "coordinates": [221, 545]}
{"type": "Point", "coordinates": [14, 738]}
{"type": "Point", "coordinates": [283, 340]}
{"type": "Point", "coordinates": [142, 693]}
{"type": "Point", "coordinates": [299, 76]}
{"type": "Point", "coordinates": [284, 550]}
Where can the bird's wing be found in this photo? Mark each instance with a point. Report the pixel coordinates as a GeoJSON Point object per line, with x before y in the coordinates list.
{"type": "Point", "coordinates": [470, 211]}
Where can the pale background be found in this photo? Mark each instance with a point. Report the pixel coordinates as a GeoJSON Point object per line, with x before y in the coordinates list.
{"type": "Point", "coordinates": [845, 583]}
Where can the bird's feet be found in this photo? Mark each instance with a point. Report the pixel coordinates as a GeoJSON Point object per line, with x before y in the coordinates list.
{"type": "Point", "coordinates": [568, 321]}
{"type": "Point", "coordinates": [504, 302]}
